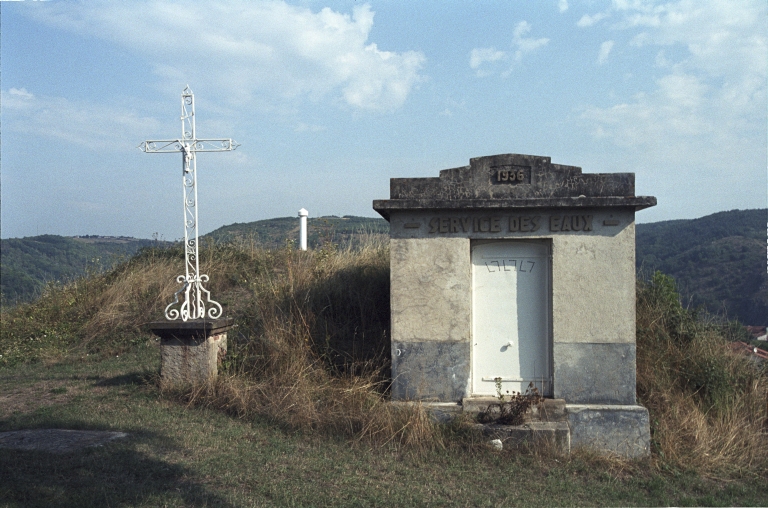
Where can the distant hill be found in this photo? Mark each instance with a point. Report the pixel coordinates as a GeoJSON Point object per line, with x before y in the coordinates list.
{"type": "Point", "coordinates": [718, 261]}
{"type": "Point", "coordinates": [27, 264]}
{"type": "Point", "coordinates": [274, 233]}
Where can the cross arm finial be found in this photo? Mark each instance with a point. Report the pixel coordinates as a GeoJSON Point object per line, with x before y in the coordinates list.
{"type": "Point", "coordinates": [193, 145]}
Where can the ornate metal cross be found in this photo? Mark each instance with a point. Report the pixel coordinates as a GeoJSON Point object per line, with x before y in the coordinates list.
{"type": "Point", "coordinates": [193, 306]}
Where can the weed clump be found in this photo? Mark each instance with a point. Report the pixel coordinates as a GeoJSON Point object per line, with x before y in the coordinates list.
{"type": "Point", "coordinates": [511, 408]}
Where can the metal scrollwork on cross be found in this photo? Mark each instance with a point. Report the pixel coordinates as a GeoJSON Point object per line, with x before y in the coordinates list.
{"type": "Point", "coordinates": [197, 303]}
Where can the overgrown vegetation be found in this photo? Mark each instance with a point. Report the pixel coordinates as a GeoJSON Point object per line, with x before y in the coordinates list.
{"type": "Point", "coordinates": [708, 406]}
{"type": "Point", "coordinates": [310, 351]}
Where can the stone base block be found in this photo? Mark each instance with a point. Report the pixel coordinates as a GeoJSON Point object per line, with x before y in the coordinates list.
{"type": "Point", "coordinates": [622, 430]}
{"type": "Point", "coordinates": [559, 427]}
{"type": "Point", "coordinates": [191, 352]}
{"type": "Point", "coordinates": [191, 361]}
{"type": "Point", "coordinates": [595, 373]}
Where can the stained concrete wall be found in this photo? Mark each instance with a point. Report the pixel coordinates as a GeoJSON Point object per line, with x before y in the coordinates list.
{"type": "Point", "coordinates": [431, 289]}
{"type": "Point", "coordinates": [431, 300]}
{"type": "Point", "coordinates": [593, 313]}
{"type": "Point", "coordinates": [593, 285]}
{"type": "Point", "coordinates": [593, 303]}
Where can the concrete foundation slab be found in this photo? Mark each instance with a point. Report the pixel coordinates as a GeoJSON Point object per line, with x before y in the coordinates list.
{"type": "Point", "coordinates": [552, 436]}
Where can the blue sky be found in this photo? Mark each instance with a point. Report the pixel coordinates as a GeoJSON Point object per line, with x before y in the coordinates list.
{"type": "Point", "coordinates": [329, 100]}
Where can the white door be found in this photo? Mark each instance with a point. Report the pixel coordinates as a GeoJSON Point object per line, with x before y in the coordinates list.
{"type": "Point", "coordinates": [510, 316]}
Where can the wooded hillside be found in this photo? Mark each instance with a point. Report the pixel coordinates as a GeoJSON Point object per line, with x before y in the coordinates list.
{"type": "Point", "coordinates": [27, 264]}
{"type": "Point", "coordinates": [718, 261]}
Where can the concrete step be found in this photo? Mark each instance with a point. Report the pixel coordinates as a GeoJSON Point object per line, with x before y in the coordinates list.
{"type": "Point", "coordinates": [552, 434]}
{"type": "Point", "coordinates": [554, 437]}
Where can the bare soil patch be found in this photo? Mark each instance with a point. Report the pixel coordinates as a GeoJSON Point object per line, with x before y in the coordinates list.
{"type": "Point", "coordinates": [27, 398]}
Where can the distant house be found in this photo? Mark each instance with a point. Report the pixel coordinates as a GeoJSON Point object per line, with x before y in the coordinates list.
{"type": "Point", "coordinates": [754, 352]}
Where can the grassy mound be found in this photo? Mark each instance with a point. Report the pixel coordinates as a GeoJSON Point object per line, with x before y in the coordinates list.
{"type": "Point", "coordinates": [310, 351]}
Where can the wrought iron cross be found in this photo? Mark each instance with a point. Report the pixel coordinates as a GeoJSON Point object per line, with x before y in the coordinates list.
{"type": "Point", "coordinates": [193, 306]}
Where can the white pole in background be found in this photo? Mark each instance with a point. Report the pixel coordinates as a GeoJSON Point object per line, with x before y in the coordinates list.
{"type": "Point", "coordinates": [303, 229]}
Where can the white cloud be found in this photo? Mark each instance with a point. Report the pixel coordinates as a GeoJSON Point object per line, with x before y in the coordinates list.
{"type": "Point", "coordinates": [673, 112]}
{"type": "Point", "coordinates": [721, 37]}
{"type": "Point", "coordinates": [524, 44]}
{"type": "Point", "coordinates": [683, 91]}
{"type": "Point", "coordinates": [21, 93]}
{"type": "Point", "coordinates": [714, 90]}
{"type": "Point", "coordinates": [479, 56]}
{"type": "Point", "coordinates": [562, 5]}
{"type": "Point", "coordinates": [605, 50]}
{"type": "Point", "coordinates": [521, 46]}
{"type": "Point", "coordinates": [88, 125]}
{"type": "Point", "coordinates": [254, 48]}
{"type": "Point", "coordinates": [587, 20]}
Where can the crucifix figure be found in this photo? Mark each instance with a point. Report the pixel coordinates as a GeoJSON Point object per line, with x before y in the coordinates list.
{"type": "Point", "coordinates": [193, 306]}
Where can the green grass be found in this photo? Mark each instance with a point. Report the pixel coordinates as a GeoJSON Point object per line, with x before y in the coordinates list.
{"type": "Point", "coordinates": [193, 456]}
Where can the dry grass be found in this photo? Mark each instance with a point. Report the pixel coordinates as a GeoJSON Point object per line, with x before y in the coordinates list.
{"type": "Point", "coordinates": [129, 298]}
{"type": "Point", "coordinates": [310, 347]}
{"type": "Point", "coordinates": [311, 353]}
{"type": "Point", "coordinates": [707, 404]}
{"type": "Point", "coordinates": [351, 408]}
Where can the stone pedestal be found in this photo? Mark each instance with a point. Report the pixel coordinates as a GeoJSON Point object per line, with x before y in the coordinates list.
{"type": "Point", "coordinates": [191, 351]}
